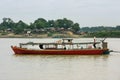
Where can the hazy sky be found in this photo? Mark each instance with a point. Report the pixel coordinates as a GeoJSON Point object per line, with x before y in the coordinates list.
{"type": "Point", "coordinates": [85, 12]}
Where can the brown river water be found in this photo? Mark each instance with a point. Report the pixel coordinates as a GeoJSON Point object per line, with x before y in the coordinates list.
{"type": "Point", "coordinates": [58, 67]}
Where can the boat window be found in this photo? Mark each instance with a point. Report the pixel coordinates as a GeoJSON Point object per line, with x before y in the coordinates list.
{"type": "Point", "coordinates": [41, 46]}
{"type": "Point", "coordinates": [69, 40]}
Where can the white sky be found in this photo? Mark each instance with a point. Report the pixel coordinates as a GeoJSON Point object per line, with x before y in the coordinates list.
{"type": "Point", "coordinates": [85, 12]}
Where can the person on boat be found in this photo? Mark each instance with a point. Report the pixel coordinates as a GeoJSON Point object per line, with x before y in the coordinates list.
{"type": "Point", "coordinates": [94, 44]}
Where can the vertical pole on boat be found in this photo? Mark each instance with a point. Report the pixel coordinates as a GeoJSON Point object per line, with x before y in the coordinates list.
{"type": "Point", "coordinates": [104, 44]}
{"type": "Point", "coordinates": [77, 46]}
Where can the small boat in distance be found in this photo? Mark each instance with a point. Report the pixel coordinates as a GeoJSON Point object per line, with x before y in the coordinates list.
{"type": "Point", "coordinates": [62, 47]}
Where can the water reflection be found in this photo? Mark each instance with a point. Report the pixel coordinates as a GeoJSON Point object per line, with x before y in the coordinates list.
{"type": "Point", "coordinates": [95, 57]}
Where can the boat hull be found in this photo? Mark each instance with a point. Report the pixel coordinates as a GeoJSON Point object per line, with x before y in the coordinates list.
{"type": "Point", "coordinates": [18, 50]}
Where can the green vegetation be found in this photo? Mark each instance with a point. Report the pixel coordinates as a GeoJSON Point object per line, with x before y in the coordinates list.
{"type": "Point", "coordinates": [39, 26]}
{"type": "Point", "coordinates": [106, 34]}
{"type": "Point", "coordinates": [102, 31]}
{"type": "Point", "coordinates": [54, 28]}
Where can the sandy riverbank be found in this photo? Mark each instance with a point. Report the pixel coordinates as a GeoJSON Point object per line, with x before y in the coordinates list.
{"type": "Point", "coordinates": [11, 35]}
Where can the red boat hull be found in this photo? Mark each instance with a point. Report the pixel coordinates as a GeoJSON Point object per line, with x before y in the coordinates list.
{"type": "Point", "coordinates": [18, 50]}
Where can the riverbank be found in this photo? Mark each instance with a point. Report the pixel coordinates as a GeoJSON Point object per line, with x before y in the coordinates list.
{"type": "Point", "coordinates": [63, 35]}
{"type": "Point", "coordinates": [12, 35]}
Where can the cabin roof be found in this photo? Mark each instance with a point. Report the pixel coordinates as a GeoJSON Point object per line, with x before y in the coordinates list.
{"type": "Point", "coordinates": [31, 43]}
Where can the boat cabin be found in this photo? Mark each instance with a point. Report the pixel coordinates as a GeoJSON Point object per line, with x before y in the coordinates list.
{"type": "Point", "coordinates": [64, 44]}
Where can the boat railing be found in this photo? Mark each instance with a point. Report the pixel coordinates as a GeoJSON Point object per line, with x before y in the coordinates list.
{"type": "Point", "coordinates": [66, 46]}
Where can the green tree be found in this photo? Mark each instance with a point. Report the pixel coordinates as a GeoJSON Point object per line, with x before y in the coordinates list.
{"type": "Point", "coordinates": [118, 27]}
{"type": "Point", "coordinates": [59, 23]}
{"type": "Point", "coordinates": [76, 27]}
{"type": "Point", "coordinates": [7, 23]}
{"type": "Point", "coordinates": [19, 27]}
{"type": "Point", "coordinates": [67, 23]}
{"type": "Point", "coordinates": [51, 23]}
{"type": "Point", "coordinates": [40, 23]}
{"type": "Point", "coordinates": [64, 23]}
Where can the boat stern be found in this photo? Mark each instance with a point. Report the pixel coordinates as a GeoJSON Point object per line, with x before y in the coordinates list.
{"type": "Point", "coordinates": [106, 51]}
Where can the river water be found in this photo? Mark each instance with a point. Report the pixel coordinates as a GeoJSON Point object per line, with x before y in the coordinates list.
{"type": "Point", "coordinates": [58, 67]}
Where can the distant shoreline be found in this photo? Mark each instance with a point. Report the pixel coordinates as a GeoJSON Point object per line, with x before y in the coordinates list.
{"type": "Point", "coordinates": [46, 36]}
{"type": "Point", "coordinates": [41, 36]}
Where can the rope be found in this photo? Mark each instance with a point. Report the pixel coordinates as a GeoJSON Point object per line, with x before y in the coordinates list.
{"type": "Point", "coordinates": [115, 51]}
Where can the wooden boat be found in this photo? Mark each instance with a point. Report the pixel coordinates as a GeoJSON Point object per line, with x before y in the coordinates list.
{"type": "Point", "coordinates": [62, 47]}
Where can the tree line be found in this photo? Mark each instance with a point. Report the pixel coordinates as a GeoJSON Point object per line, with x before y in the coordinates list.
{"type": "Point", "coordinates": [39, 25]}
{"type": "Point", "coordinates": [42, 25]}
{"type": "Point", "coordinates": [102, 31]}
